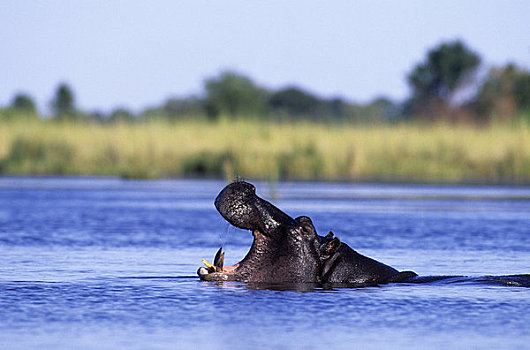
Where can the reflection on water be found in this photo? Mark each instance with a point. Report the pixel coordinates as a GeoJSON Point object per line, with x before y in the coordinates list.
{"type": "Point", "coordinates": [106, 264]}
{"type": "Point", "coordinates": [510, 280]}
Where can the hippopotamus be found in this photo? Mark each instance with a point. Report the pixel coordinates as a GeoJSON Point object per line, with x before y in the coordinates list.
{"type": "Point", "coordinates": [289, 250]}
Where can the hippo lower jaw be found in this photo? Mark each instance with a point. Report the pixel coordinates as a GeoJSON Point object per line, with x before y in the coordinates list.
{"type": "Point", "coordinates": [228, 274]}
{"type": "Point", "coordinates": [269, 260]}
{"type": "Point", "coordinates": [215, 276]}
{"type": "Point", "coordinates": [236, 272]}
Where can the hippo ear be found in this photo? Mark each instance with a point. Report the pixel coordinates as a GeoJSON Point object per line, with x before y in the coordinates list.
{"type": "Point", "coordinates": [334, 245]}
{"type": "Point", "coordinates": [330, 255]}
{"type": "Point", "coordinates": [330, 248]}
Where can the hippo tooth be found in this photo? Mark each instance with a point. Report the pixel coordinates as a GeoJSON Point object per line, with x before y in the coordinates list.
{"type": "Point", "coordinates": [221, 262]}
{"type": "Point", "coordinates": [208, 265]}
{"type": "Point", "coordinates": [218, 257]}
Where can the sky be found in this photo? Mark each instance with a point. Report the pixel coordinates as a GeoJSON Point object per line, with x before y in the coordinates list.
{"type": "Point", "coordinates": [134, 54]}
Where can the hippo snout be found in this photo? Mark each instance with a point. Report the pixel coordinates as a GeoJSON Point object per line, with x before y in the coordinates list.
{"type": "Point", "coordinates": [240, 206]}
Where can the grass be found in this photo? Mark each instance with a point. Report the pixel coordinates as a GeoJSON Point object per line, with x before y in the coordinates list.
{"type": "Point", "coordinates": [259, 150]}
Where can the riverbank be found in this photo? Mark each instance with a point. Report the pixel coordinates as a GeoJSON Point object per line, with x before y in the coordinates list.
{"type": "Point", "coordinates": [259, 150]}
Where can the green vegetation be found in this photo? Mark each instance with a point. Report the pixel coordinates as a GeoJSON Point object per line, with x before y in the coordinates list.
{"type": "Point", "coordinates": [262, 150]}
{"type": "Point", "coordinates": [24, 104]}
{"type": "Point", "coordinates": [236, 127]}
{"type": "Point", "coordinates": [63, 104]}
{"type": "Point", "coordinates": [435, 82]}
{"type": "Point", "coordinates": [232, 94]}
{"type": "Point", "coordinates": [444, 88]}
{"type": "Point", "coordinates": [504, 92]}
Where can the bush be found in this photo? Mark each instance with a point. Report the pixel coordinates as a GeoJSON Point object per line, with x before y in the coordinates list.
{"type": "Point", "coordinates": [36, 156]}
{"type": "Point", "coordinates": [214, 164]}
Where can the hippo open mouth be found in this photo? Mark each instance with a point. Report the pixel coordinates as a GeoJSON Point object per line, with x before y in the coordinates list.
{"type": "Point", "coordinates": [286, 249]}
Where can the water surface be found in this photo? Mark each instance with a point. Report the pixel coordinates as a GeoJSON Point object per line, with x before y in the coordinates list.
{"type": "Point", "coordinates": [109, 264]}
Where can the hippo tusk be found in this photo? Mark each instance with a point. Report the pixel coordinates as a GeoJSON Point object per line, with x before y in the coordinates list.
{"type": "Point", "coordinates": [219, 259]}
{"type": "Point", "coordinates": [218, 262]}
{"type": "Point", "coordinates": [208, 265]}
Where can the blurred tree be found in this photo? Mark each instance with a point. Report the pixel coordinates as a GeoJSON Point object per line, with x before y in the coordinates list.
{"type": "Point", "coordinates": [522, 90]}
{"type": "Point", "coordinates": [504, 92]}
{"type": "Point", "coordinates": [296, 102]}
{"type": "Point", "coordinates": [336, 107]}
{"type": "Point", "coordinates": [175, 108]}
{"type": "Point", "coordinates": [233, 94]}
{"type": "Point", "coordinates": [63, 104]}
{"type": "Point", "coordinates": [383, 109]}
{"type": "Point", "coordinates": [121, 115]}
{"type": "Point", "coordinates": [435, 82]}
{"type": "Point", "coordinates": [24, 104]}
{"type": "Point", "coordinates": [96, 116]}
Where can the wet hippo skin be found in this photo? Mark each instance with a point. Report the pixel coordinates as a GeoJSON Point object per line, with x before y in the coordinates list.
{"type": "Point", "coordinates": [289, 250]}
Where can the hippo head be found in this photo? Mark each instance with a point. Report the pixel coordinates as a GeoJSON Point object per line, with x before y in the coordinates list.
{"type": "Point", "coordinates": [284, 249]}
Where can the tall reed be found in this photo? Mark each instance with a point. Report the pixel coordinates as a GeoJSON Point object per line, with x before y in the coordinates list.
{"type": "Point", "coordinates": [254, 149]}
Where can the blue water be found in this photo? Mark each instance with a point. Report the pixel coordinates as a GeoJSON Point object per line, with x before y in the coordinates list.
{"type": "Point", "coordinates": [110, 264]}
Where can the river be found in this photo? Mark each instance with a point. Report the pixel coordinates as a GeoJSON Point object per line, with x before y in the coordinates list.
{"type": "Point", "coordinates": [104, 263]}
